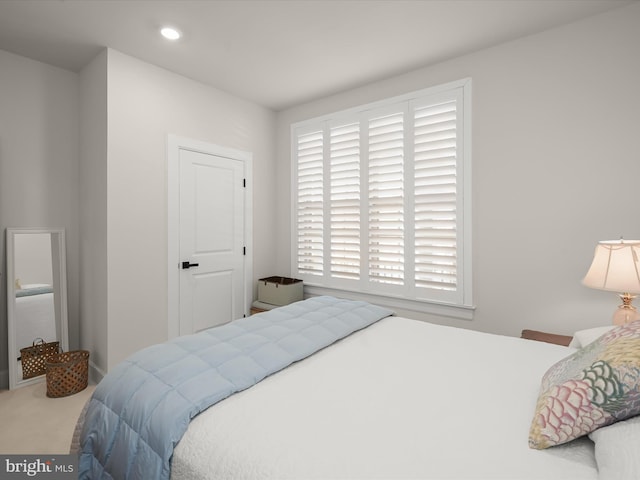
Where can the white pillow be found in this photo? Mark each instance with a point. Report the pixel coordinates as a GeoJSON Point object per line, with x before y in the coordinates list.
{"type": "Point", "coordinates": [583, 338]}
{"type": "Point", "coordinates": [617, 448]}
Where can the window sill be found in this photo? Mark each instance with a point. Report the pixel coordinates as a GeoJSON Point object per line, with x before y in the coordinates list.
{"type": "Point", "coordinates": [462, 312]}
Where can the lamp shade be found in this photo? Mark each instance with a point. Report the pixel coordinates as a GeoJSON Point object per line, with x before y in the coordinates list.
{"type": "Point", "coordinates": [615, 267]}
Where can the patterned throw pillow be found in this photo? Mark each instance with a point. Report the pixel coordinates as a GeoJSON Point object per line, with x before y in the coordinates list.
{"type": "Point", "coordinates": [596, 386]}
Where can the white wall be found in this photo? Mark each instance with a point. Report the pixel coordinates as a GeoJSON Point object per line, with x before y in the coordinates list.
{"type": "Point", "coordinates": [93, 214]}
{"type": "Point", "coordinates": [556, 164]}
{"type": "Point", "coordinates": [555, 169]}
{"type": "Point", "coordinates": [38, 166]}
{"type": "Point", "coordinates": [117, 192]}
{"type": "Point", "coordinates": [145, 104]}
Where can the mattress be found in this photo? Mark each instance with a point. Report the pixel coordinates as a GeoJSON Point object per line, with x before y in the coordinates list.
{"type": "Point", "coordinates": [400, 399]}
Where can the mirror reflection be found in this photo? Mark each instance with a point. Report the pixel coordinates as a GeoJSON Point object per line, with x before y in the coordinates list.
{"type": "Point", "coordinates": [37, 314]}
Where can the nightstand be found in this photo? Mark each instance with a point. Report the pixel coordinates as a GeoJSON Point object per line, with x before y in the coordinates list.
{"type": "Point", "coordinates": [546, 337]}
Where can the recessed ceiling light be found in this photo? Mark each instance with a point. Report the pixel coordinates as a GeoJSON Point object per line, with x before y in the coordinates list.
{"type": "Point", "coordinates": [170, 33]}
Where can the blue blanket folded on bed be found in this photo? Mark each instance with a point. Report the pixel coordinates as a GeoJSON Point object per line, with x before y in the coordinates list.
{"type": "Point", "coordinates": [141, 409]}
{"type": "Point", "coordinates": [28, 292]}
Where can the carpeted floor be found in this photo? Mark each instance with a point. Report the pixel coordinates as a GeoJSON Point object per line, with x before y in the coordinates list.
{"type": "Point", "coordinates": [32, 423]}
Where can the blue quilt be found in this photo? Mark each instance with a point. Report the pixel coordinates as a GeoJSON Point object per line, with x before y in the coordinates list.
{"type": "Point", "coordinates": [140, 410]}
{"type": "Point", "coordinates": [28, 292]}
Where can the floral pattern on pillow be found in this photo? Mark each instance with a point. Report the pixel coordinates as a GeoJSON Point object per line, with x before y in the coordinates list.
{"type": "Point", "coordinates": [594, 387]}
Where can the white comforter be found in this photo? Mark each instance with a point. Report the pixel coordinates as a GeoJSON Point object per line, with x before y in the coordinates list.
{"type": "Point", "coordinates": [400, 399]}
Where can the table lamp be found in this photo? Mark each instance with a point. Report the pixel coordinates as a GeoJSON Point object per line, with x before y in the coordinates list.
{"type": "Point", "coordinates": [616, 268]}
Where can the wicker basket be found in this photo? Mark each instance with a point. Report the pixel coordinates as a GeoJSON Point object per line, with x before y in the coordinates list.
{"type": "Point", "coordinates": [67, 373]}
{"type": "Point", "coordinates": [33, 358]}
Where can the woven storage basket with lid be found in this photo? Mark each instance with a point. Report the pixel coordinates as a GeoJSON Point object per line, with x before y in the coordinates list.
{"type": "Point", "coordinates": [67, 373]}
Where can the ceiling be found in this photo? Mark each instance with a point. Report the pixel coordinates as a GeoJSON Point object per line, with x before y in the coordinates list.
{"type": "Point", "coordinates": [279, 53]}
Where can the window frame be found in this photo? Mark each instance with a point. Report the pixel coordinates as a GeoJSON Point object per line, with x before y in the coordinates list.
{"type": "Point", "coordinates": [458, 305]}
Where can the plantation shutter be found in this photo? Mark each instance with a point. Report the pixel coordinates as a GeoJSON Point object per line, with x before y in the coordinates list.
{"type": "Point", "coordinates": [344, 153]}
{"type": "Point", "coordinates": [435, 153]}
{"type": "Point", "coordinates": [310, 218]}
{"type": "Point", "coordinates": [386, 199]}
{"type": "Point", "coordinates": [381, 198]}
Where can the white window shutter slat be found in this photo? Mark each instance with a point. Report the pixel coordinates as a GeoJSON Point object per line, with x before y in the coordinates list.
{"type": "Point", "coordinates": [386, 199]}
{"type": "Point", "coordinates": [344, 148]}
{"type": "Point", "coordinates": [435, 141]}
{"type": "Point", "coordinates": [310, 217]}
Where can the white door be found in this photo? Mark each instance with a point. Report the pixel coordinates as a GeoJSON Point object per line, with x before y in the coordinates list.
{"type": "Point", "coordinates": [211, 240]}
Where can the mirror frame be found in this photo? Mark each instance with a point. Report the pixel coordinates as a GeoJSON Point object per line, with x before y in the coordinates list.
{"type": "Point", "coordinates": [59, 277]}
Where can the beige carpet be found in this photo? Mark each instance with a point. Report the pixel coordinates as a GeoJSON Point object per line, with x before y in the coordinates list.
{"type": "Point", "coordinates": [32, 423]}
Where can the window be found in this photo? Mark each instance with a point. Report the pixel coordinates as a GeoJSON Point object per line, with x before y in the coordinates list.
{"type": "Point", "coordinates": [382, 198]}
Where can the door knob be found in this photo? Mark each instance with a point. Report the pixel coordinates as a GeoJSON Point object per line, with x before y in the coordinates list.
{"type": "Point", "coordinates": [189, 265]}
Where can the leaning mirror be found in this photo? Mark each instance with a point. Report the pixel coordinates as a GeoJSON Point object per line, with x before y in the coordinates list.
{"type": "Point", "coordinates": [36, 299]}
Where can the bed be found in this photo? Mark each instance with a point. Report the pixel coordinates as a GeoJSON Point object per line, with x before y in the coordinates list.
{"type": "Point", "coordinates": [396, 399]}
{"type": "Point", "coordinates": [34, 314]}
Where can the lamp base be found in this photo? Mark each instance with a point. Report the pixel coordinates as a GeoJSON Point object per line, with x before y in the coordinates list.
{"type": "Point", "coordinates": [626, 313]}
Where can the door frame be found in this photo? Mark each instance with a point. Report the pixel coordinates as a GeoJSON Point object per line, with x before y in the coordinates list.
{"type": "Point", "coordinates": [174, 145]}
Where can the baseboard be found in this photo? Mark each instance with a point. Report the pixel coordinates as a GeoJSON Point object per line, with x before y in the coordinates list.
{"type": "Point", "coordinates": [4, 379]}
{"type": "Point", "coordinates": [95, 373]}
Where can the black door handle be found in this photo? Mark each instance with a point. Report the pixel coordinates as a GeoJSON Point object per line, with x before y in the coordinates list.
{"type": "Point", "coordinates": [189, 265]}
